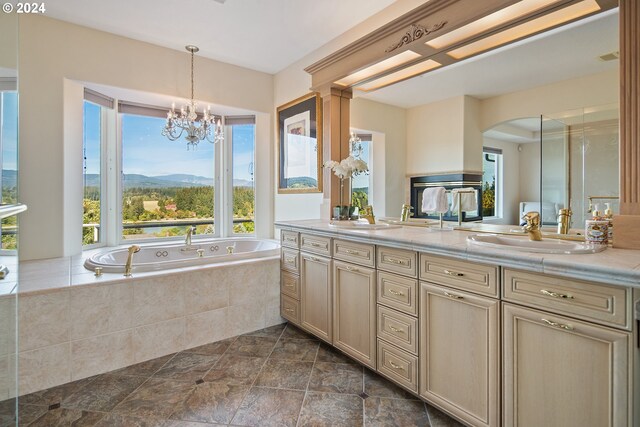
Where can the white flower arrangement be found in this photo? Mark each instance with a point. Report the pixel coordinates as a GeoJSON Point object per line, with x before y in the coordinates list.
{"type": "Point", "coordinates": [347, 167]}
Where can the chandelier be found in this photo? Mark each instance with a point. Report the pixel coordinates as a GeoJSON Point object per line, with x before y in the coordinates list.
{"type": "Point", "coordinates": [356, 145]}
{"type": "Point", "coordinates": [198, 127]}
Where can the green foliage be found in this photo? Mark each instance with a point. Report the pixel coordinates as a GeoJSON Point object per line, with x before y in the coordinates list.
{"type": "Point", "coordinates": [489, 199]}
{"type": "Point", "coordinates": [190, 203]}
{"type": "Point", "coordinates": [360, 197]}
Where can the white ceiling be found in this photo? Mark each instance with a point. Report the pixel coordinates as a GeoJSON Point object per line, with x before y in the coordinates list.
{"type": "Point", "coordinates": [264, 35]}
{"type": "Point", "coordinates": [568, 52]}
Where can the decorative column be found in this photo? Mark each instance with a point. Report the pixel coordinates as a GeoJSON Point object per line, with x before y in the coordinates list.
{"type": "Point", "coordinates": [335, 144]}
{"type": "Point", "coordinates": [627, 225]}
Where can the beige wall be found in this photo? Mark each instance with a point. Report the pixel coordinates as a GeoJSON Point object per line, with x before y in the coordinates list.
{"type": "Point", "coordinates": [391, 122]}
{"type": "Point", "coordinates": [8, 41]}
{"type": "Point", "coordinates": [444, 136]}
{"type": "Point", "coordinates": [592, 90]}
{"type": "Point", "coordinates": [293, 82]}
{"type": "Point", "coordinates": [52, 51]}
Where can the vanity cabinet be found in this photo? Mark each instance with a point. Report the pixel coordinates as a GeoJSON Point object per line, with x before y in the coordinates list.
{"type": "Point", "coordinates": [492, 346]}
{"type": "Point", "coordinates": [460, 353]}
{"type": "Point", "coordinates": [354, 315]}
{"type": "Point", "coordinates": [316, 295]}
{"type": "Point", "coordinates": [558, 371]}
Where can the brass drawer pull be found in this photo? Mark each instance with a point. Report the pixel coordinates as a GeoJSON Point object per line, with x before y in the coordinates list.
{"type": "Point", "coordinates": [555, 294]}
{"type": "Point", "coordinates": [289, 310]}
{"type": "Point", "coordinates": [317, 245]}
{"type": "Point", "coordinates": [288, 285]}
{"type": "Point", "coordinates": [352, 252]}
{"type": "Point", "coordinates": [452, 296]}
{"type": "Point", "coordinates": [314, 259]}
{"type": "Point", "coordinates": [396, 330]}
{"type": "Point", "coordinates": [396, 261]}
{"type": "Point", "coordinates": [349, 268]}
{"type": "Point", "coordinates": [394, 366]}
{"type": "Point", "coordinates": [396, 293]}
{"type": "Point", "coordinates": [290, 260]}
{"type": "Point", "coordinates": [290, 239]}
{"type": "Point", "coordinates": [558, 325]}
{"type": "Point", "coordinates": [453, 273]}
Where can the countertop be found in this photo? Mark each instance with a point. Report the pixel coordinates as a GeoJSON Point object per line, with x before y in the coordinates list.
{"type": "Point", "coordinates": [611, 266]}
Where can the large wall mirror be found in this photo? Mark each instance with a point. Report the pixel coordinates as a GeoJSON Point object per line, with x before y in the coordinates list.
{"type": "Point", "coordinates": [547, 115]}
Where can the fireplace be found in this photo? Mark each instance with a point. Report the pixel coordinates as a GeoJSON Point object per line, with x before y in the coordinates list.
{"type": "Point", "coordinates": [449, 182]}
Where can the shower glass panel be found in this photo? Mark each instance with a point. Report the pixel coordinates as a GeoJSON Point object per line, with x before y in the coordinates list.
{"type": "Point", "coordinates": [580, 157]}
{"type": "Point", "coordinates": [8, 228]}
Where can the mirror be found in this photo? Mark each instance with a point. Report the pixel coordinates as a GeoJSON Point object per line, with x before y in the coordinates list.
{"type": "Point", "coordinates": [580, 160]}
{"type": "Point", "coordinates": [300, 145]}
{"type": "Point", "coordinates": [8, 230]}
{"type": "Point", "coordinates": [570, 68]}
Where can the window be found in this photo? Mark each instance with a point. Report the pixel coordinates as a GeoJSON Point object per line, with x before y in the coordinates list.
{"type": "Point", "coordinates": [158, 189]}
{"type": "Point", "coordinates": [242, 135]}
{"type": "Point", "coordinates": [491, 182]}
{"type": "Point", "coordinates": [361, 184]}
{"type": "Point", "coordinates": [166, 189]}
{"type": "Point", "coordinates": [9, 160]}
{"type": "Point", "coordinates": [95, 110]}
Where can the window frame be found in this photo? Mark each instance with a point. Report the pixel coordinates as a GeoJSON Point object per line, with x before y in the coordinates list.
{"type": "Point", "coordinates": [8, 85]}
{"type": "Point", "coordinates": [498, 191]}
{"type": "Point", "coordinates": [229, 178]}
{"type": "Point", "coordinates": [104, 166]}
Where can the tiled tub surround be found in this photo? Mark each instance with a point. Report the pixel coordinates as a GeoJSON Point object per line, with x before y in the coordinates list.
{"type": "Point", "coordinates": [275, 376]}
{"type": "Point", "coordinates": [95, 325]}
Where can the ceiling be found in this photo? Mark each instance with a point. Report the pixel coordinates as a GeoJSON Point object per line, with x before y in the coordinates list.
{"type": "Point", "coordinates": [258, 34]}
{"type": "Point", "coordinates": [565, 53]}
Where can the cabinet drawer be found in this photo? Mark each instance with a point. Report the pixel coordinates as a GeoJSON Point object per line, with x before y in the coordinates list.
{"type": "Point", "coordinates": [357, 253]}
{"type": "Point", "coordinates": [290, 284]}
{"type": "Point", "coordinates": [290, 260]}
{"type": "Point", "coordinates": [398, 292]}
{"type": "Point", "coordinates": [290, 309]}
{"type": "Point", "coordinates": [397, 261]}
{"type": "Point", "coordinates": [316, 244]}
{"type": "Point", "coordinates": [398, 329]}
{"type": "Point", "coordinates": [398, 365]}
{"type": "Point", "coordinates": [465, 275]}
{"type": "Point", "coordinates": [603, 304]}
{"type": "Point", "coordinates": [289, 239]}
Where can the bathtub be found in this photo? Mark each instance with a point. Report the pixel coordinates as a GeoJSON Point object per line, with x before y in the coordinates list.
{"type": "Point", "coordinates": [156, 257]}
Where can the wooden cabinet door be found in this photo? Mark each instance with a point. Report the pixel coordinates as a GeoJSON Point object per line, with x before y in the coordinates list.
{"type": "Point", "coordinates": [315, 295]}
{"type": "Point", "coordinates": [460, 353]}
{"type": "Point", "coordinates": [560, 372]}
{"type": "Point", "coordinates": [354, 316]}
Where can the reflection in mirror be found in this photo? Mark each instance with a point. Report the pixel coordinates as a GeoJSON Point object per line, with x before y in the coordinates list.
{"type": "Point", "coordinates": [515, 146]}
{"type": "Point", "coordinates": [580, 158]}
{"type": "Point", "coordinates": [8, 183]}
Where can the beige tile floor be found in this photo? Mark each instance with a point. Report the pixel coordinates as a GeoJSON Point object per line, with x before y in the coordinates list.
{"type": "Point", "coordinates": [278, 376]}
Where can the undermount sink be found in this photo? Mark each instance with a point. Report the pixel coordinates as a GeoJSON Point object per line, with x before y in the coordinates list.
{"type": "Point", "coordinates": [361, 225]}
{"type": "Point", "coordinates": [550, 246]}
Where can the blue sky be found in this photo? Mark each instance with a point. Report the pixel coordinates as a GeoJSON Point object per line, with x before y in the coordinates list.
{"type": "Point", "coordinates": [146, 152]}
{"type": "Point", "coordinates": [9, 130]}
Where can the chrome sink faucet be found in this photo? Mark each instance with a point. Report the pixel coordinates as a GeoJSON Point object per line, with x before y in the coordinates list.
{"type": "Point", "coordinates": [533, 226]}
{"type": "Point", "coordinates": [190, 232]}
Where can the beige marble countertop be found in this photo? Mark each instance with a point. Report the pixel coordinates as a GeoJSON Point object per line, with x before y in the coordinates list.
{"type": "Point", "coordinates": [612, 266]}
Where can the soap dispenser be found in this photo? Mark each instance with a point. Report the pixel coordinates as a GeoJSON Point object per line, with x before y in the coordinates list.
{"type": "Point", "coordinates": [608, 215]}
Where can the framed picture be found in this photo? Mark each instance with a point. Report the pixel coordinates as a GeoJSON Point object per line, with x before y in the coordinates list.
{"type": "Point", "coordinates": [300, 145]}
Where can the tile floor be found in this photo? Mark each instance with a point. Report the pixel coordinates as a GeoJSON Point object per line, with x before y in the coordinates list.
{"type": "Point", "coordinates": [278, 376]}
